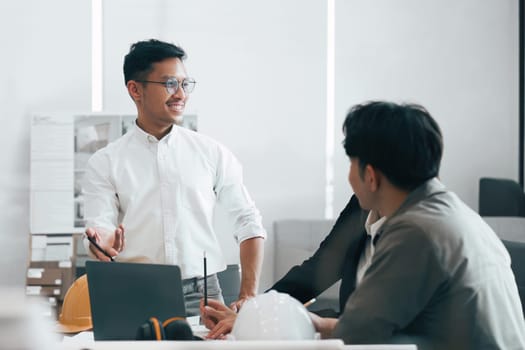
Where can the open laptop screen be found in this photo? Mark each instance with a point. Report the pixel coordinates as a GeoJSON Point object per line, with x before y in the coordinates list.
{"type": "Point", "coordinates": [125, 295]}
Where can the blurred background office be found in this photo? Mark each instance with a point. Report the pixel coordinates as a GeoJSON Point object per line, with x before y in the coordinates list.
{"type": "Point", "coordinates": [275, 79]}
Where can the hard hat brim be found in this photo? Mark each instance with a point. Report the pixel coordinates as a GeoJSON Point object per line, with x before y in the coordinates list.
{"type": "Point", "coordinates": [63, 328]}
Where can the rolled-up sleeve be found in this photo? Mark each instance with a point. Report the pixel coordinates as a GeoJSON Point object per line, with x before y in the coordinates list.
{"type": "Point", "coordinates": [233, 195]}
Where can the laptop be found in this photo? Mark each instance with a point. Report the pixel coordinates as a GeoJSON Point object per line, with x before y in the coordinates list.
{"type": "Point", "coordinates": [123, 296]}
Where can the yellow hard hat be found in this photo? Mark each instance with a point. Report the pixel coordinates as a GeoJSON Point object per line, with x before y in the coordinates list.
{"type": "Point", "coordinates": [76, 310]}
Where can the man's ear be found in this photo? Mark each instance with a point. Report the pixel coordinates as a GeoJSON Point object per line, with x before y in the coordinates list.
{"type": "Point", "coordinates": [134, 90]}
{"type": "Point", "coordinates": [372, 178]}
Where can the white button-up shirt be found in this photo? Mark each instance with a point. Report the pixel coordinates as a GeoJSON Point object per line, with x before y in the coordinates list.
{"type": "Point", "coordinates": [164, 193]}
{"type": "Point", "coordinates": [372, 226]}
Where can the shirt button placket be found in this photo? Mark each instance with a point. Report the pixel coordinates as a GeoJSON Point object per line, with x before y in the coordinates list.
{"type": "Point", "coordinates": [167, 209]}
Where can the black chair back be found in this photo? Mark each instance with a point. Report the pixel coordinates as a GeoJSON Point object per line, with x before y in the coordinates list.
{"type": "Point", "coordinates": [500, 197]}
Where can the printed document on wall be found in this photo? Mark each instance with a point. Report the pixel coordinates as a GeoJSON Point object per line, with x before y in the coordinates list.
{"type": "Point", "coordinates": [52, 176]}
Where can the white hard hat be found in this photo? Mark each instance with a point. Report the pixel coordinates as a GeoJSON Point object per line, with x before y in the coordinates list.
{"type": "Point", "coordinates": [273, 316]}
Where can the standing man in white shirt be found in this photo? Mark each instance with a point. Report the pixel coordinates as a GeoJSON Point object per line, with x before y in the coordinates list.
{"type": "Point", "coordinates": [150, 195]}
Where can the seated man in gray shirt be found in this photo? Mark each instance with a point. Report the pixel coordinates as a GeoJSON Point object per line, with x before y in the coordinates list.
{"type": "Point", "coordinates": [431, 271]}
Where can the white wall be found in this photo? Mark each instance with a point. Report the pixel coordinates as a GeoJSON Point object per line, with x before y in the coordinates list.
{"type": "Point", "coordinates": [260, 68]}
{"type": "Point", "coordinates": [45, 65]}
{"type": "Point", "coordinates": [260, 73]}
{"type": "Point", "coordinates": [457, 58]}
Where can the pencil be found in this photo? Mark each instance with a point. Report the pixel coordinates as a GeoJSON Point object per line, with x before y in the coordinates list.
{"type": "Point", "coordinates": [205, 281]}
{"type": "Point", "coordinates": [310, 302]}
{"type": "Point", "coordinates": [99, 248]}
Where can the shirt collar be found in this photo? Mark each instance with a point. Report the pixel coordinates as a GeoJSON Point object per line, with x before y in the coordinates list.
{"type": "Point", "coordinates": [373, 223]}
{"type": "Point", "coordinates": [147, 138]}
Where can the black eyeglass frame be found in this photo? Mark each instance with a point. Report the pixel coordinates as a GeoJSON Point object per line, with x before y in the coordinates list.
{"type": "Point", "coordinates": [174, 84]}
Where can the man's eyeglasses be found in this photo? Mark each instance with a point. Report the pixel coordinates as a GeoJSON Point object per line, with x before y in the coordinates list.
{"type": "Point", "coordinates": [172, 84]}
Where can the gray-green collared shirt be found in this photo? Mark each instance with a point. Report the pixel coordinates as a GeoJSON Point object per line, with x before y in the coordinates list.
{"type": "Point", "coordinates": [440, 278]}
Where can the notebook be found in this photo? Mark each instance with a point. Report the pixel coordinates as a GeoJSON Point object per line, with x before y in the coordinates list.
{"type": "Point", "coordinates": [125, 295]}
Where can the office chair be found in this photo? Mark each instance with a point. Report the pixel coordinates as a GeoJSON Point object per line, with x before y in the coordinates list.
{"type": "Point", "coordinates": [230, 281]}
{"type": "Point", "coordinates": [517, 255]}
{"type": "Point", "coordinates": [500, 197]}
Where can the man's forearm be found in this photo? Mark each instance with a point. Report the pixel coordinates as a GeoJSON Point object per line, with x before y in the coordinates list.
{"type": "Point", "coordinates": [251, 256]}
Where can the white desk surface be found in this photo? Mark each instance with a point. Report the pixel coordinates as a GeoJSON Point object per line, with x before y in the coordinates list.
{"type": "Point", "coordinates": [332, 344]}
{"type": "Point", "coordinates": [85, 341]}
{"type": "Point", "coordinates": [381, 347]}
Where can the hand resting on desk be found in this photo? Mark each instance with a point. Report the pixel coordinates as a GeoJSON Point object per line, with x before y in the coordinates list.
{"type": "Point", "coordinates": [218, 318]}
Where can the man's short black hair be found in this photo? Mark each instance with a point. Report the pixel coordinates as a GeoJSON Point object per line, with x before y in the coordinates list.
{"type": "Point", "coordinates": [142, 54]}
{"type": "Point", "coordinates": [403, 141]}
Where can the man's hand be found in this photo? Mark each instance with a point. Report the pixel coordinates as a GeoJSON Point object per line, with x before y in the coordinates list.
{"type": "Point", "coordinates": [236, 305]}
{"type": "Point", "coordinates": [323, 325]}
{"type": "Point", "coordinates": [218, 318]}
{"type": "Point", "coordinates": [112, 243]}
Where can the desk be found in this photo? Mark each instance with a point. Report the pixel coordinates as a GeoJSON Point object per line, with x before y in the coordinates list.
{"type": "Point", "coordinates": [84, 341]}
{"type": "Point", "coordinates": [381, 347]}
{"type": "Point", "coordinates": [332, 344]}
